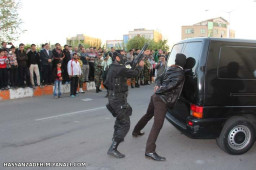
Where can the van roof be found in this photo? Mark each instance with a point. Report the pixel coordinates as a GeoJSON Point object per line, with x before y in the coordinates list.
{"type": "Point", "coordinates": [219, 39]}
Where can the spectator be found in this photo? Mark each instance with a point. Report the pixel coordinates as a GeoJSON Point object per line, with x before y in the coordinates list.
{"type": "Point", "coordinates": [106, 64]}
{"type": "Point", "coordinates": [70, 50]}
{"type": "Point", "coordinates": [46, 57]}
{"type": "Point", "coordinates": [129, 56]}
{"type": "Point", "coordinates": [74, 71]}
{"type": "Point", "coordinates": [92, 56]}
{"type": "Point", "coordinates": [98, 72]}
{"type": "Point", "coordinates": [23, 66]}
{"type": "Point", "coordinates": [3, 70]}
{"type": "Point", "coordinates": [65, 64]}
{"type": "Point", "coordinates": [76, 51]}
{"type": "Point", "coordinates": [160, 67]}
{"type": "Point", "coordinates": [81, 79]}
{"type": "Point", "coordinates": [4, 46]}
{"type": "Point", "coordinates": [85, 68]}
{"type": "Point", "coordinates": [57, 54]}
{"type": "Point", "coordinates": [80, 47]}
{"type": "Point", "coordinates": [57, 76]}
{"type": "Point", "coordinates": [13, 67]}
{"type": "Point", "coordinates": [111, 53]}
{"type": "Point", "coordinates": [33, 63]}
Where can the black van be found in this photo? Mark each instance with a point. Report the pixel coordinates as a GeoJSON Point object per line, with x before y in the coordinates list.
{"type": "Point", "coordinates": [219, 94]}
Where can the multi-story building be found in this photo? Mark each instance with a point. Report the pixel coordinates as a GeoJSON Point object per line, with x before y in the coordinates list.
{"type": "Point", "coordinates": [148, 34]}
{"type": "Point", "coordinates": [84, 39]}
{"type": "Point", "coordinates": [118, 44]}
{"type": "Point", "coordinates": [216, 27]}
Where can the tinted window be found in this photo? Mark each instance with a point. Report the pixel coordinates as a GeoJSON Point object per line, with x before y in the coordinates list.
{"type": "Point", "coordinates": [176, 49]}
{"type": "Point", "coordinates": [190, 89]}
{"type": "Point", "coordinates": [237, 63]}
{"type": "Point", "coordinates": [193, 50]}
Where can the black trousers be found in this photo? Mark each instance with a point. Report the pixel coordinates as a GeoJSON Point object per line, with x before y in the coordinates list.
{"type": "Point", "coordinates": [47, 74]}
{"type": "Point", "coordinates": [3, 77]}
{"type": "Point", "coordinates": [14, 76]}
{"type": "Point", "coordinates": [65, 75]}
{"type": "Point", "coordinates": [73, 85]}
{"type": "Point", "coordinates": [24, 75]}
{"type": "Point", "coordinates": [158, 109]}
{"type": "Point", "coordinates": [91, 71]}
{"type": "Point", "coordinates": [123, 110]}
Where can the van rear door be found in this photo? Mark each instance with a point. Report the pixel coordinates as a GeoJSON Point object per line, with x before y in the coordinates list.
{"type": "Point", "coordinates": [192, 85]}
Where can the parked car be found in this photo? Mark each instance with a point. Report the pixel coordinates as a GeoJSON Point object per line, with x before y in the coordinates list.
{"type": "Point", "coordinates": [218, 100]}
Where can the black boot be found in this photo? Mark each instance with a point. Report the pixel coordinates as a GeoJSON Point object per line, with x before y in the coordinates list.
{"type": "Point", "coordinates": [114, 152]}
{"type": "Point", "coordinates": [97, 89]}
{"type": "Point", "coordinates": [132, 85]}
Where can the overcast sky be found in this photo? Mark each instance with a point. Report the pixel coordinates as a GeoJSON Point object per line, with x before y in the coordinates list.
{"type": "Point", "coordinates": [55, 20]}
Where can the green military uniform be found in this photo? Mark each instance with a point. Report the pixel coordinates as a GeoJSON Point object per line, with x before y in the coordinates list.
{"type": "Point", "coordinates": [146, 71]}
{"type": "Point", "coordinates": [98, 73]}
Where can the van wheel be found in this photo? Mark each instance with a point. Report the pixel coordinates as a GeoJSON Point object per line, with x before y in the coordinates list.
{"type": "Point", "coordinates": [237, 136]}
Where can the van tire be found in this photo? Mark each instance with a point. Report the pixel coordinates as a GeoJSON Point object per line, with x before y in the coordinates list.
{"type": "Point", "coordinates": [237, 136]}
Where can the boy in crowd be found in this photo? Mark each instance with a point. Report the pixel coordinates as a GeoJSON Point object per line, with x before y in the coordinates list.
{"type": "Point", "coordinates": [13, 67]}
{"type": "Point", "coordinates": [74, 72]}
{"type": "Point", "coordinates": [3, 70]}
{"type": "Point", "coordinates": [57, 75]}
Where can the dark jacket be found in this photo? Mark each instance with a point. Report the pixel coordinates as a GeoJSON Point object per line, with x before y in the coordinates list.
{"type": "Point", "coordinates": [67, 57]}
{"type": "Point", "coordinates": [44, 57]}
{"type": "Point", "coordinates": [22, 58]}
{"type": "Point", "coordinates": [117, 77]}
{"type": "Point", "coordinates": [33, 58]}
{"type": "Point", "coordinates": [171, 83]}
{"type": "Point", "coordinates": [54, 73]}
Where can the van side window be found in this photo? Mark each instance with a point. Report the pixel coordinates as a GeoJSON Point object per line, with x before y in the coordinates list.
{"type": "Point", "coordinates": [237, 62]}
{"type": "Point", "coordinates": [176, 49]}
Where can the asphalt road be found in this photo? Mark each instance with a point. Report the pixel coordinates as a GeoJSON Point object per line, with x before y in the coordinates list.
{"type": "Point", "coordinates": [43, 129]}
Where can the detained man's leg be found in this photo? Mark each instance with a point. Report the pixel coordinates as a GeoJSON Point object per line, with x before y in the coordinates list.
{"type": "Point", "coordinates": [144, 120]}
{"type": "Point", "coordinates": [159, 116]}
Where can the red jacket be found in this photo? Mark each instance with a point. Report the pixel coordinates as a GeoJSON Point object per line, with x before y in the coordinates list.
{"type": "Point", "coordinates": [3, 62]}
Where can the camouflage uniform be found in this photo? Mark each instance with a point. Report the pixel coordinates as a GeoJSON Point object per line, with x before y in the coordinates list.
{"type": "Point", "coordinates": [98, 72]}
{"type": "Point", "coordinates": [146, 71]}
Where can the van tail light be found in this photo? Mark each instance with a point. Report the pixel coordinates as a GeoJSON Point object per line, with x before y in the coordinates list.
{"type": "Point", "coordinates": [196, 111]}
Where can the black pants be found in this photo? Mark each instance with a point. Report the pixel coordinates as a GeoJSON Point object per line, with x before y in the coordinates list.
{"type": "Point", "coordinates": [158, 109]}
{"type": "Point", "coordinates": [47, 74]}
{"type": "Point", "coordinates": [73, 85]}
{"type": "Point", "coordinates": [14, 76]}
{"type": "Point", "coordinates": [91, 71]}
{"type": "Point", "coordinates": [123, 110]}
{"type": "Point", "coordinates": [65, 75]}
{"type": "Point", "coordinates": [24, 75]}
{"type": "Point", "coordinates": [3, 77]}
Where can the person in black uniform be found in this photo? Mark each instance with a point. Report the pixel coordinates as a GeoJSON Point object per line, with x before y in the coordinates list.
{"type": "Point", "coordinates": [116, 83]}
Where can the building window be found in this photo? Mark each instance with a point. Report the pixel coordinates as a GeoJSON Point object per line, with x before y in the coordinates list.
{"type": "Point", "coordinates": [189, 31]}
{"type": "Point", "coordinates": [202, 31]}
{"type": "Point", "coordinates": [215, 32]}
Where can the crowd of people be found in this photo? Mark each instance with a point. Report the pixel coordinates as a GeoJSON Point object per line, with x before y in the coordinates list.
{"type": "Point", "coordinates": [68, 65]}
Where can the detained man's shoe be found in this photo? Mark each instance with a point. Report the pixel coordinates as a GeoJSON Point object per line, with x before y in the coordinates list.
{"type": "Point", "coordinates": [114, 152]}
{"type": "Point", "coordinates": [154, 156]}
{"type": "Point", "coordinates": [136, 134]}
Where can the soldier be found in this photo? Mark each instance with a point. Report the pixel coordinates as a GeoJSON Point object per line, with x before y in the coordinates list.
{"type": "Point", "coordinates": [116, 83]}
{"type": "Point", "coordinates": [98, 72]}
{"type": "Point", "coordinates": [147, 66]}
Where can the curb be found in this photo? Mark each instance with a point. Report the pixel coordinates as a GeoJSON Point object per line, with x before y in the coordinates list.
{"type": "Point", "coordinates": [41, 91]}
